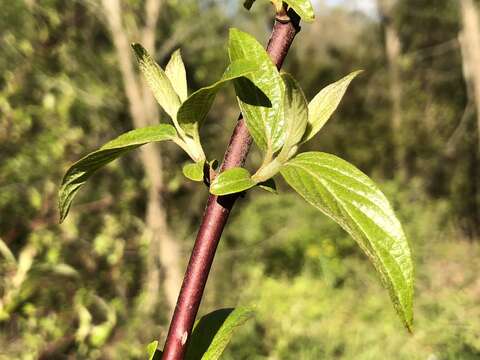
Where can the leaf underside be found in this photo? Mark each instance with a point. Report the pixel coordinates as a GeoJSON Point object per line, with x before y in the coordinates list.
{"type": "Point", "coordinates": [175, 71]}
{"type": "Point", "coordinates": [352, 199]}
{"type": "Point", "coordinates": [260, 93]}
{"type": "Point", "coordinates": [213, 332]}
{"type": "Point", "coordinates": [81, 171]}
{"type": "Point", "coordinates": [158, 81]}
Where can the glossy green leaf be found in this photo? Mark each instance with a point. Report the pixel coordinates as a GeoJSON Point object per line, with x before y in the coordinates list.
{"type": "Point", "coordinates": [352, 199]}
{"type": "Point", "coordinates": [175, 71]}
{"type": "Point", "coordinates": [153, 352]}
{"type": "Point", "coordinates": [325, 103]}
{"type": "Point", "coordinates": [79, 172]}
{"type": "Point", "coordinates": [194, 171]}
{"type": "Point", "coordinates": [213, 332]}
{"type": "Point", "coordinates": [194, 110]}
{"type": "Point", "coordinates": [232, 181]}
{"type": "Point", "coordinates": [303, 8]}
{"type": "Point", "coordinates": [295, 112]}
{"type": "Point", "coordinates": [158, 81]}
{"type": "Point", "coordinates": [260, 93]}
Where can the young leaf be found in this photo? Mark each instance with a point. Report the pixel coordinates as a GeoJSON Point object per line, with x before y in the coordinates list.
{"type": "Point", "coordinates": [325, 103]}
{"type": "Point", "coordinates": [195, 109]}
{"type": "Point", "coordinates": [153, 352]}
{"type": "Point", "coordinates": [194, 171]}
{"type": "Point", "coordinates": [175, 71]}
{"type": "Point", "coordinates": [158, 81]}
{"type": "Point", "coordinates": [260, 93]}
{"type": "Point", "coordinates": [232, 181]}
{"type": "Point", "coordinates": [213, 332]}
{"type": "Point", "coordinates": [352, 199]}
{"type": "Point", "coordinates": [303, 8]}
{"type": "Point", "coordinates": [295, 112]}
{"type": "Point", "coordinates": [79, 172]}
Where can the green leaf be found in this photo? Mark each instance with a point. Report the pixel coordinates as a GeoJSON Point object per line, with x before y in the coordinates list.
{"type": "Point", "coordinates": [352, 199]}
{"type": "Point", "coordinates": [175, 71]}
{"type": "Point", "coordinates": [79, 172]}
{"type": "Point", "coordinates": [194, 171]}
{"type": "Point", "coordinates": [295, 112]}
{"type": "Point", "coordinates": [153, 352]}
{"type": "Point", "coordinates": [194, 110]}
{"type": "Point", "coordinates": [260, 93]}
{"type": "Point", "coordinates": [232, 181]}
{"type": "Point", "coordinates": [303, 8]}
{"type": "Point", "coordinates": [158, 81]}
{"type": "Point", "coordinates": [325, 103]}
{"type": "Point", "coordinates": [213, 332]}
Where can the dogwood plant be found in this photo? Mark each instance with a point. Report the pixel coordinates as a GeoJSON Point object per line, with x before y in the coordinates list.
{"type": "Point", "coordinates": [280, 119]}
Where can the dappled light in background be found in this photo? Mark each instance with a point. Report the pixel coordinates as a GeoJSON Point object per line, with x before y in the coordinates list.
{"type": "Point", "coordinates": [103, 284]}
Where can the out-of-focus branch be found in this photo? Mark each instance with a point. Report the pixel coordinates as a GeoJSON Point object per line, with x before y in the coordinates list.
{"type": "Point", "coordinates": [164, 250]}
{"type": "Point", "coordinates": [152, 12]}
{"type": "Point", "coordinates": [122, 47]}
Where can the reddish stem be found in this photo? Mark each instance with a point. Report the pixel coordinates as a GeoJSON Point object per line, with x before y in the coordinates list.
{"type": "Point", "coordinates": [218, 210]}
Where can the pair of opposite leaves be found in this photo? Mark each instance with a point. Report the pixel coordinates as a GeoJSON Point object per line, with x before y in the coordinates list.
{"type": "Point", "coordinates": [270, 102]}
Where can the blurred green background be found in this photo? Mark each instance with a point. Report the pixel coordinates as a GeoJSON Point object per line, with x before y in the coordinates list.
{"type": "Point", "coordinates": [102, 285]}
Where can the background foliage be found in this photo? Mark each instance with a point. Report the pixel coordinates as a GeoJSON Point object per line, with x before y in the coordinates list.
{"type": "Point", "coordinates": [77, 290]}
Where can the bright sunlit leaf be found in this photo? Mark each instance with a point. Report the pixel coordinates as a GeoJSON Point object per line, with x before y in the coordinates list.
{"type": "Point", "coordinates": [232, 181]}
{"type": "Point", "coordinates": [260, 93]}
{"type": "Point", "coordinates": [353, 200]}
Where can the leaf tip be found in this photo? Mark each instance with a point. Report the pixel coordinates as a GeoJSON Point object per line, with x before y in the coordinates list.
{"type": "Point", "coordinates": [139, 50]}
{"type": "Point", "coordinates": [63, 212]}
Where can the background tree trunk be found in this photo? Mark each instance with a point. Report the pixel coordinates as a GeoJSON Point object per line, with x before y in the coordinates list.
{"type": "Point", "coordinates": [470, 45]}
{"type": "Point", "coordinates": [164, 250]}
{"type": "Point", "coordinates": [393, 54]}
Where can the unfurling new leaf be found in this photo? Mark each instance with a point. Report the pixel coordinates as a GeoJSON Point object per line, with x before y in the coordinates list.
{"type": "Point", "coordinates": [351, 198]}
{"type": "Point", "coordinates": [232, 181]}
{"type": "Point", "coordinates": [79, 172]}
{"type": "Point", "coordinates": [260, 93]}
{"type": "Point", "coordinates": [158, 81]}
{"type": "Point", "coordinates": [325, 103]}
{"type": "Point", "coordinates": [175, 71]}
{"type": "Point", "coordinates": [213, 332]}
